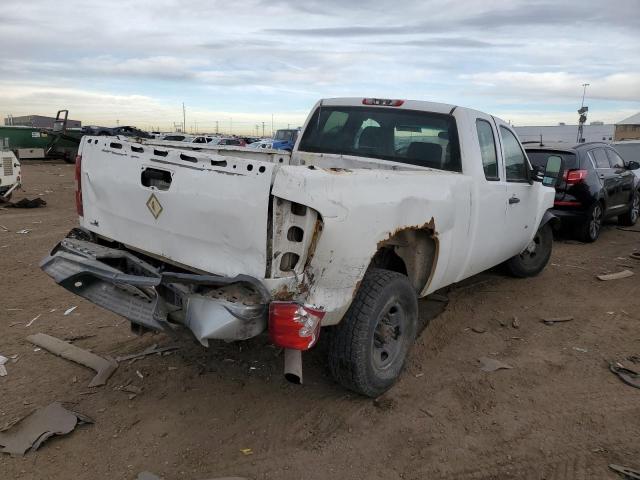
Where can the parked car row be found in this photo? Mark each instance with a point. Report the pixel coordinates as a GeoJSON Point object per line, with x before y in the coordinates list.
{"type": "Point", "coordinates": [595, 184]}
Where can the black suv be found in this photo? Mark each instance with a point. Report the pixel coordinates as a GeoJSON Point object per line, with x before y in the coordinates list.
{"type": "Point", "coordinates": [594, 184]}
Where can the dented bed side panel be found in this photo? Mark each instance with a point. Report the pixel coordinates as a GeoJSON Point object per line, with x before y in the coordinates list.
{"type": "Point", "coordinates": [362, 208]}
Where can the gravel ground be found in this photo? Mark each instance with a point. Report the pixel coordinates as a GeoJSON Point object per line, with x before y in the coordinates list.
{"type": "Point", "coordinates": [557, 414]}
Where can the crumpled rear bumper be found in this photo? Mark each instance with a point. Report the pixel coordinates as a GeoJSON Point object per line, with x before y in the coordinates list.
{"type": "Point", "coordinates": [121, 282]}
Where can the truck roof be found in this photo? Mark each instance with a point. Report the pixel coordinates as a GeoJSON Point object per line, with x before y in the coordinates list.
{"type": "Point", "coordinates": [406, 104]}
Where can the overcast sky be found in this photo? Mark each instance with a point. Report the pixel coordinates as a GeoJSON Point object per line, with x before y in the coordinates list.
{"type": "Point", "coordinates": [240, 62]}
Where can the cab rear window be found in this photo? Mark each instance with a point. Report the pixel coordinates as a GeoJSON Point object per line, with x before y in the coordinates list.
{"type": "Point", "coordinates": [425, 139]}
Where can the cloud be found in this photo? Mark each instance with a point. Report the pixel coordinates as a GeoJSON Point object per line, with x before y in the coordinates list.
{"type": "Point", "coordinates": [268, 56]}
{"type": "Point", "coordinates": [558, 85]}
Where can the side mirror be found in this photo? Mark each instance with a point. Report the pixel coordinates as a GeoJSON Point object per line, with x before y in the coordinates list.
{"type": "Point", "coordinates": [551, 171]}
{"type": "Point", "coordinates": [633, 165]}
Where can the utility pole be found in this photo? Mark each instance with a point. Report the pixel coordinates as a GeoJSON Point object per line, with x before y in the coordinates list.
{"type": "Point", "coordinates": [263, 129]}
{"type": "Point", "coordinates": [257, 130]}
{"type": "Point", "coordinates": [230, 125]}
{"type": "Point", "coordinates": [184, 119]}
{"type": "Point", "coordinates": [217, 131]}
{"type": "Point", "coordinates": [583, 114]}
{"type": "Point", "coordinates": [272, 130]}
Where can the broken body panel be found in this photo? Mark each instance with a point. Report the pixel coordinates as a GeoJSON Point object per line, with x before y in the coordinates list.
{"type": "Point", "coordinates": [304, 227]}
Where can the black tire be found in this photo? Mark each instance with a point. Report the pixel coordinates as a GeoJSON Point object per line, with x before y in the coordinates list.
{"type": "Point", "coordinates": [589, 231]}
{"type": "Point", "coordinates": [629, 218]}
{"type": "Point", "coordinates": [383, 315]}
{"type": "Point", "coordinates": [533, 260]}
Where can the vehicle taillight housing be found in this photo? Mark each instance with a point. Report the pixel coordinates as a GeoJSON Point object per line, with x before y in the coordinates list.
{"type": "Point", "coordinates": [79, 206]}
{"type": "Point", "coordinates": [295, 326]}
{"type": "Point", "coordinates": [382, 102]}
{"type": "Point", "coordinates": [575, 176]}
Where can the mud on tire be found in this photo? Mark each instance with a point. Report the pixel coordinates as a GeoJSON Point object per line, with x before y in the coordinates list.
{"type": "Point", "coordinates": [368, 348]}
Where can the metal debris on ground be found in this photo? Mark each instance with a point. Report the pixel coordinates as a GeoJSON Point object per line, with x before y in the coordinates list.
{"type": "Point", "coordinates": [246, 451]}
{"type": "Point", "coordinates": [4, 228]}
{"type": "Point", "coordinates": [628, 376]}
{"type": "Point", "coordinates": [153, 349]}
{"type": "Point", "coordinates": [30, 432]}
{"type": "Point", "coordinates": [104, 367]}
{"type": "Point", "coordinates": [23, 232]}
{"type": "Point", "coordinates": [515, 323]}
{"type": "Point", "coordinates": [626, 472]}
{"type": "Point", "coordinates": [26, 203]}
{"type": "Point", "coordinates": [69, 310]}
{"type": "Point", "coordinates": [491, 364]}
{"type": "Point", "coordinates": [616, 276]}
{"type": "Point", "coordinates": [554, 320]}
{"type": "Point", "coordinates": [3, 369]}
{"type": "Point", "coordinates": [33, 320]}
{"type": "Point", "coordinates": [478, 329]}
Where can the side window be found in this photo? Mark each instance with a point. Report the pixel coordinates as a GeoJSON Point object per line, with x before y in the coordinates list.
{"type": "Point", "coordinates": [515, 161]}
{"type": "Point", "coordinates": [600, 158]}
{"type": "Point", "coordinates": [614, 159]}
{"type": "Point", "coordinates": [487, 149]}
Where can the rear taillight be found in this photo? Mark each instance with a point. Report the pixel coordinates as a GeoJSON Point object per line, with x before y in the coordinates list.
{"type": "Point", "coordinates": [382, 101]}
{"type": "Point", "coordinates": [79, 206]}
{"type": "Point", "coordinates": [575, 176]}
{"type": "Point", "coordinates": [292, 325]}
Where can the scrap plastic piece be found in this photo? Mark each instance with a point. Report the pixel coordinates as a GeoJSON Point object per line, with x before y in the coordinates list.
{"type": "Point", "coordinates": [104, 367]}
{"type": "Point", "coordinates": [3, 369]}
{"type": "Point", "coordinates": [616, 276]}
{"type": "Point", "coordinates": [628, 376]}
{"type": "Point", "coordinates": [147, 351]}
{"type": "Point", "coordinates": [626, 472]}
{"type": "Point", "coordinates": [491, 364]}
{"type": "Point", "coordinates": [32, 431]}
{"type": "Point", "coordinates": [551, 321]}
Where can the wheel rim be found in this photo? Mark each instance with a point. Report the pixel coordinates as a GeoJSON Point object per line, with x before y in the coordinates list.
{"type": "Point", "coordinates": [635, 208]}
{"type": "Point", "coordinates": [389, 335]}
{"type": "Point", "coordinates": [595, 222]}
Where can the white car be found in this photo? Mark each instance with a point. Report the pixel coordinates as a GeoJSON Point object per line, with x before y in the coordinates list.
{"type": "Point", "coordinates": [381, 202]}
{"type": "Point", "coordinates": [261, 144]}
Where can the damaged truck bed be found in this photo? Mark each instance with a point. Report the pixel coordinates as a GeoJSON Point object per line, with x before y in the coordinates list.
{"type": "Point", "coordinates": [380, 202]}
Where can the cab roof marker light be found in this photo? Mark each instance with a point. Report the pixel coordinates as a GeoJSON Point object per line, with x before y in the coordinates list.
{"type": "Point", "coordinates": [384, 102]}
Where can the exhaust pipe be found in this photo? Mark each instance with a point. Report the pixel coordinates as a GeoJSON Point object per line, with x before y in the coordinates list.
{"type": "Point", "coordinates": [293, 365]}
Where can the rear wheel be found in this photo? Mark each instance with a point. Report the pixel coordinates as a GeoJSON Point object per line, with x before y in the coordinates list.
{"type": "Point", "coordinates": [590, 229]}
{"type": "Point", "coordinates": [368, 349]}
{"type": "Point", "coordinates": [535, 257]}
{"type": "Point", "coordinates": [630, 218]}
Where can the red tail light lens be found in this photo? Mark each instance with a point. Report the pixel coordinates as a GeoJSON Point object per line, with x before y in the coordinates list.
{"type": "Point", "coordinates": [79, 206]}
{"type": "Point", "coordinates": [575, 176]}
{"type": "Point", "coordinates": [292, 325]}
{"type": "Point", "coordinates": [382, 102]}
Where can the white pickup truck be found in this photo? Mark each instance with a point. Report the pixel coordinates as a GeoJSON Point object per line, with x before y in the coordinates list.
{"type": "Point", "coordinates": [381, 202]}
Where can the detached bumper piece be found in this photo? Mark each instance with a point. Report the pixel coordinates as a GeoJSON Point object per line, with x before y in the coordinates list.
{"type": "Point", "coordinates": [127, 285]}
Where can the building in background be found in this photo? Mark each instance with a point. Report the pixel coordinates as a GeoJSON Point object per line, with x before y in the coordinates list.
{"type": "Point", "coordinates": [37, 121]}
{"type": "Point", "coordinates": [594, 132]}
{"type": "Point", "coordinates": [629, 128]}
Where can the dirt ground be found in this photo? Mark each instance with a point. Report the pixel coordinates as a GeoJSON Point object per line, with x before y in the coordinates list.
{"type": "Point", "coordinates": [557, 414]}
